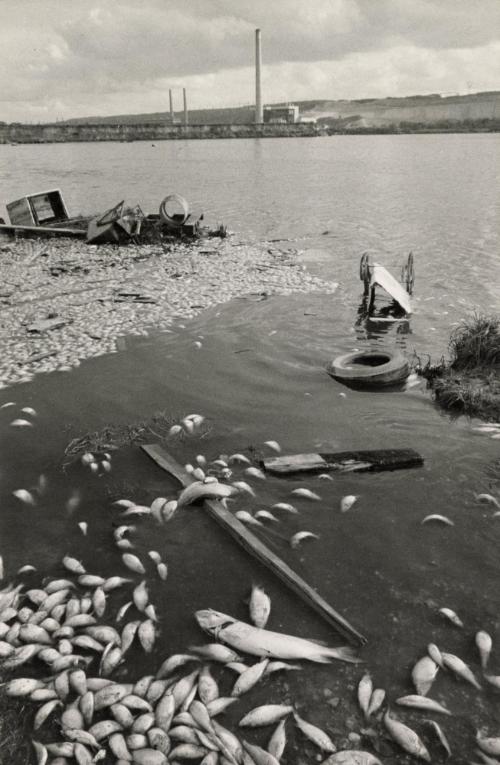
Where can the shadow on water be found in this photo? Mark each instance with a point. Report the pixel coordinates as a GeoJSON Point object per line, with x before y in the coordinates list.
{"type": "Point", "coordinates": [259, 375]}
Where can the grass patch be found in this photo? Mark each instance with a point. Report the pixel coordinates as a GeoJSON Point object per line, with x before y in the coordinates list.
{"type": "Point", "coordinates": [469, 383]}
{"type": "Point", "coordinates": [15, 732]}
{"type": "Point", "coordinates": [113, 437]}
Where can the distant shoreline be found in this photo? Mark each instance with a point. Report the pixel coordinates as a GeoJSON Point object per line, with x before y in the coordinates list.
{"type": "Point", "coordinates": [17, 133]}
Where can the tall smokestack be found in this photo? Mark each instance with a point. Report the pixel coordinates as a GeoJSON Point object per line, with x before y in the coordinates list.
{"type": "Point", "coordinates": [259, 118]}
{"type": "Point", "coordinates": [185, 107]}
{"type": "Point", "coordinates": [171, 106]}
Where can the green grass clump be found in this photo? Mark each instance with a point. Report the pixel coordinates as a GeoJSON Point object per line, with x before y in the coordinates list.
{"type": "Point", "coordinates": [476, 343]}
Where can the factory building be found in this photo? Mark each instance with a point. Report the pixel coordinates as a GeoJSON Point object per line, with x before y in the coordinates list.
{"type": "Point", "coordinates": [287, 115]}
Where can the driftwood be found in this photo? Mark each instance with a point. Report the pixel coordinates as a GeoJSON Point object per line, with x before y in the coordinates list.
{"type": "Point", "coordinates": [255, 547]}
{"type": "Point", "coordinates": [344, 462]}
{"type": "Point", "coordinates": [42, 231]}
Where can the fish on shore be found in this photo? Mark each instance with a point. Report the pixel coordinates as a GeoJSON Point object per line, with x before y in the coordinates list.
{"type": "Point", "coordinates": [259, 606]}
{"type": "Point", "coordinates": [260, 642]}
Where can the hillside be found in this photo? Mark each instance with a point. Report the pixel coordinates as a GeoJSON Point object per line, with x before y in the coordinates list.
{"type": "Point", "coordinates": [362, 113]}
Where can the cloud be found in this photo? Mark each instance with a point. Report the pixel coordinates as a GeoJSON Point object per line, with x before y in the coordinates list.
{"type": "Point", "coordinates": [123, 56]}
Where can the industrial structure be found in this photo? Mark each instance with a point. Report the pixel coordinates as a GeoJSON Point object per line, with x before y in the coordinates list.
{"type": "Point", "coordinates": [280, 115]}
{"type": "Point", "coordinates": [259, 118]}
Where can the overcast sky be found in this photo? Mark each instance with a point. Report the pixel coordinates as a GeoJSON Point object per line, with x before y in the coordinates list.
{"type": "Point", "coordinates": [70, 58]}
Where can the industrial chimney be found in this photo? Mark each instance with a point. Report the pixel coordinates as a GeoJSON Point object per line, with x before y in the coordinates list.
{"type": "Point", "coordinates": [171, 106]}
{"type": "Point", "coordinates": [185, 107]}
{"type": "Point", "coordinates": [259, 117]}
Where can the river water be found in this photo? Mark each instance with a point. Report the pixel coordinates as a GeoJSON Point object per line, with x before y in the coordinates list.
{"type": "Point", "coordinates": [261, 375]}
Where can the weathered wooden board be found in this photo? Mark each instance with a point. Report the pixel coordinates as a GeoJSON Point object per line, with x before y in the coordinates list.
{"type": "Point", "coordinates": [255, 547]}
{"type": "Point", "coordinates": [344, 462]}
{"type": "Point", "coordinates": [42, 231]}
{"type": "Point", "coordinates": [382, 278]}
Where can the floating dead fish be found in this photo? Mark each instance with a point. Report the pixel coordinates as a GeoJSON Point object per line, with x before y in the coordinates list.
{"type": "Point", "coordinates": [451, 616]}
{"type": "Point", "coordinates": [352, 756]}
{"type": "Point", "coordinates": [438, 518]}
{"type": "Point", "coordinates": [124, 503]}
{"type": "Point", "coordinates": [197, 344]}
{"type": "Point", "coordinates": [435, 654]}
{"type": "Point", "coordinates": [278, 666]}
{"type": "Point", "coordinates": [106, 466]}
{"type": "Point", "coordinates": [249, 678]}
{"type": "Point", "coordinates": [25, 496]}
{"type": "Point", "coordinates": [314, 734]}
{"type": "Point", "coordinates": [175, 430]}
{"type": "Point", "coordinates": [73, 565]}
{"type": "Point", "coordinates": [199, 474]}
{"type": "Point", "coordinates": [347, 502]}
{"type": "Point", "coordinates": [168, 510]}
{"type": "Point", "coordinates": [365, 690]}
{"type": "Point", "coordinates": [261, 642]}
{"type": "Point", "coordinates": [115, 581]}
{"type": "Point", "coordinates": [26, 569]}
{"type": "Point", "coordinates": [422, 702]}
{"type": "Point", "coordinates": [274, 445]}
{"type": "Point", "coordinates": [255, 754]}
{"type": "Point", "coordinates": [208, 689]}
{"type": "Point", "coordinates": [156, 508]}
{"type": "Point", "coordinates": [268, 714]}
{"type": "Point", "coordinates": [7, 404]}
{"type": "Point", "coordinates": [255, 472]}
{"type": "Point", "coordinates": [20, 423]}
{"type": "Point", "coordinates": [123, 610]}
{"type": "Point", "coordinates": [259, 606]}
{"type": "Point", "coordinates": [439, 735]}
{"type": "Point", "coordinates": [488, 499]}
{"type": "Point", "coordinates": [285, 506]}
{"type": "Point", "coordinates": [460, 668]}
{"type": "Point", "coordinates": [173, 663]}
{"type": "Point", "coordinates": [137, 510]}
{"type": "Point", "coordinates": [300, 535]}
{"type": "Point", "coordinates": [306, 494]}
{"type": "Point", "coordinates": [406, 738]}
{"type": "Point", "coordinates": [243, 486]}
{"type": "Point", "coordinates": [266, 515]}
{"type": "Point", "coordinates": [493, 680]}
{"type": "Point", "coordinates": [488, 744]}
{"type": "Point", "coordinates": [83, 526]}
{"type": "Point", "coordinates": [29, 410]}
{"type": "Point", "coordinates": [238, 458]}
{"type": "Point", "coordinates": [133, 563]}
{"type": "Point", "coordinates": [188, 425]}
{"type": "Point", "coordinates": [199, 490]}
{"type": "Point", "coordinates": [325, 477]}
{"type": "Point", "coordinates": [277, 742]}
{"type": "Point", "coordinates": [484, 644]}
{"type": "Point", "coordinates": [376, 701]}
{"type": "Point", "coordinates": [423, 674]}
{"type": "Point", "coordinates": [245, 517]}
{"type": "Point", "coordinates": [162, 571]}
{"type": "Point", "coordinates": [94, 467]}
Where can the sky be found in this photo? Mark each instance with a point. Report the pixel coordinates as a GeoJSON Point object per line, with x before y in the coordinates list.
{"type": "Point", "coordinates": [69, 58]}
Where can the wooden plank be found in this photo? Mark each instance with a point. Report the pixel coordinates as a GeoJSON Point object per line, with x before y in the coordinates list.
{"type": "Point", "coordinates": [43, 231]}
{"type": "Point", "coordinates": [382, 278]}
{"type": "Point", "coordinates": [344, 462]}
{"type": "Point", "coordinates": [255, 547]}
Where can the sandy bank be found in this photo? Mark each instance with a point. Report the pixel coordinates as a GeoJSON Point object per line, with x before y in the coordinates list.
{"type": "Point", "coordinates": [100, 294]}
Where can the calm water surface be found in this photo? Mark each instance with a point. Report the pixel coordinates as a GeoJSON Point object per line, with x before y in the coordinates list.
{"type": "Point", "coordinates": [260, 375]}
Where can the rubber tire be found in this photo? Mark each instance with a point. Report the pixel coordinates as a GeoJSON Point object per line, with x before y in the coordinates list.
{"type": "Point", "coordinates": [351, 369]}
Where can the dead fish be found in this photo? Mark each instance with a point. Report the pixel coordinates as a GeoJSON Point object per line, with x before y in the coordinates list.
{"type": "Point", "coordinates": [188, 425]}
{"type": "Point", "coordinates": [113, 582]}
{"type": "Point", "coordinates": [249, 678]}
{"type": "Point", "coordinates": [435, 654]}
{"type": "Point", "coordinates": [140, 596]}
{"type": "Point", "coordinates": [133, 563]}
{"type": "Point", "coordinates": [255, 472]}
{"type": "Point", "coordinates": [245, 517]}
{"type": "Point", "coordinates": [347, 502]}
{"type": "Point", "coordinates": [106, 466]}
{"type": "Point", "coordinates": [124, 503]}
{"type": "Point", "coordinates": [484, 644]}
{"type": "Point", "coordinates": [94, 467]}
{"type": "Point", "coordinates": [208, 689]}
{"type": "Point", "coordinates": [365, 690]}
{"type": "Point", "coordinates": [137, 510]}
{"type": "Point", "coordinates": [255, 755]}
{"type": "Point", "coordinates": [168, 510]}
{"type": "Point", "coordinates": [438, 518]}
{"type": "Point", "coordinates": [268, 714]}
{"type": "Point", "coordinates": [175, 430]}
{"type": "Point", "coordinates": [376, 701]}
{"type": "Point", "coordinates": [314, 734]}
{"type": "Point", "coordinates": [155, 556]}
{"type": "Point", "coordinates": [261, 642]}
{"type": "Point", "coordinates": [156, 507]}
{"type": "Point", "coordinates": [7, 404]}
{"type": "Point", "coordinates": [238, 458]}
{"type": "Point", "coordinates": [259, 606]}
{"type": "Point", "coordinates": [306, 494]}
{"type": "Point", "coordinates": [423, 674]}
{"type": "Point", "coordinates": [42, 754]}
{"type": "Point", "coordinates": [493, 680]}
{"type": "Point", "coordinates": [83, 526]}
{"type": "Point", "coordinates": [422, 702]}
{"type": "Point", "coordinates": [266, 515]}
{"type": "Point", "coordinates": [215, 652]}
{"type": "Point", "coordinates": [26, 569]}
{"type": "Point", "coordinates": [25, 496]}
{"type": "Point", "coordinates": [406, 738]}
{"type": "Point", "coordinates": [300, 535]}
{"type": "Point", "coordinates": [147, 635]}
{"type": "Point", "coordinates": [199, 474]}
{"type": "Point", "coordinates": [451, 616]}
{"type": "Point", "coordinates": [278, 666]}
{"type": "Point", "coordinates": [274, 445]}
{"type": "Point", "coordinates": [199, 489]}
{"type": "Point", "coordinates": [243, 486]}
{"type": "Point", "coordinates": [277, 742]}
{"type": "Point", "coordinates": [162, 570]}
{"type": "Point", "coordinates": [20, 423]}
{"type": "Point", "coordinates": [488, 499]}
{"type": "Point", "coordinates": [460, 668]}
{"type": "Point", "coordinates": [73, 565]}
{"type": "Point", "coordinates": [352, 756]}
{"type": "Point", "coordinates": [285, 506]}
{"type": "Point", "coordinates": [488, 744]}
{"type": "Point", "coordinates": [173, 662]}
{"type": "Point", "coordinates": [217, 706]}
{"type": "Point", "coordinates": [440, 736]}
{"type": "Point", "coordinates": [325, 477]}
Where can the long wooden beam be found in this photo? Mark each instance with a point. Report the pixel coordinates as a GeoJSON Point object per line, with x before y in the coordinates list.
{"type": "Point", "coordinates": [42, 231]}
{"type": "Point", "coordinates": [255, 547]}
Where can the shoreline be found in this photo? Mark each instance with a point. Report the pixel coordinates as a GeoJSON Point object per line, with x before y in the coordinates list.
{"type": "Point", "coordinates": [66, 301]}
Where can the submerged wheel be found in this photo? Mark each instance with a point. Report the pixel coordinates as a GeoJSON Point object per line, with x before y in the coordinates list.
{"type": "Point", "coordinates": [374, 368]}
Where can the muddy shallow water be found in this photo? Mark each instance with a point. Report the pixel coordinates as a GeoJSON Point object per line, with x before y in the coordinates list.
{"type": "Point", "coordinates": [260, 374]}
